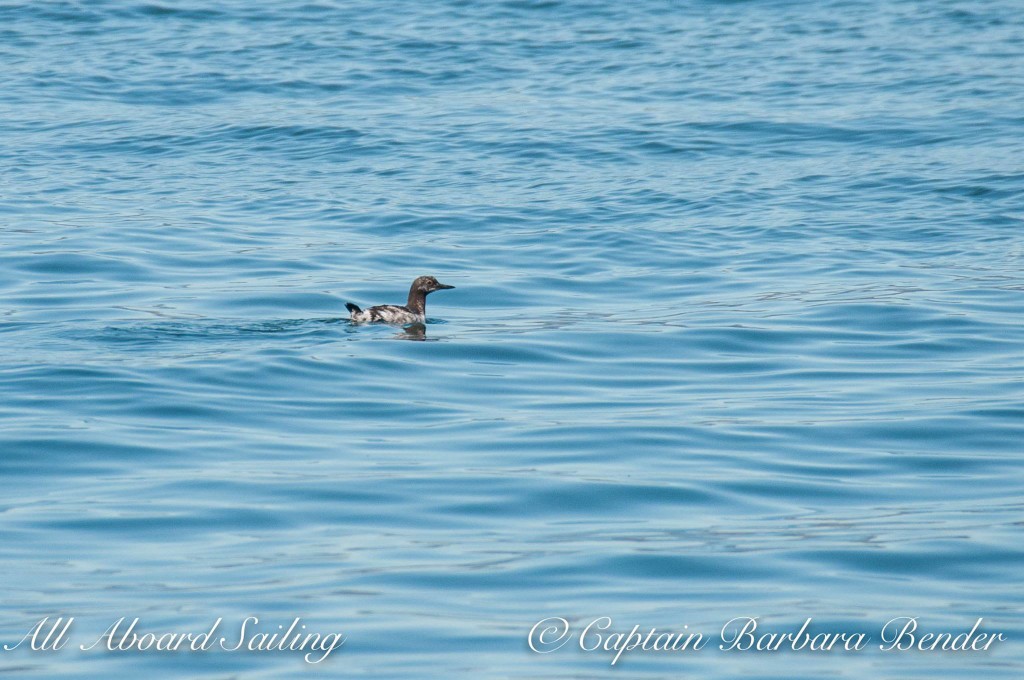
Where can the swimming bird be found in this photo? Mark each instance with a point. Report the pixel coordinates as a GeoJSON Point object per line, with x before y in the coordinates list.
{"type": "Point", "coordinates": [413, 311]}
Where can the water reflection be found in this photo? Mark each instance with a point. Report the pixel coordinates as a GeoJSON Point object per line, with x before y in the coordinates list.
{"type": "Point", "coordinates": [414, 331]}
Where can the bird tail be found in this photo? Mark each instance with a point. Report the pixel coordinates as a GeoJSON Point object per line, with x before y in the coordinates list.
{"type": "Point", "coordinates": [352, 309]}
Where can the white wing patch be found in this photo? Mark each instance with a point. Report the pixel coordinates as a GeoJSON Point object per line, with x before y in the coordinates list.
{"type": "Point", "coordinates": [387, 314]}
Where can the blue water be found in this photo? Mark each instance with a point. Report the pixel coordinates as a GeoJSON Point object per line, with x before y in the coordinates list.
{"type": "Point", "coordinates": [737, 330]}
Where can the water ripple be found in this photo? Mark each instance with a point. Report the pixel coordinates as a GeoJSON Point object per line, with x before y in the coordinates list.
{"type": "Point", "coordinates": [735, 327]}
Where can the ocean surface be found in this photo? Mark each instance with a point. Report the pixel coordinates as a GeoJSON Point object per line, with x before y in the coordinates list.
{"type": "Point", "coordinates": [738, 331]}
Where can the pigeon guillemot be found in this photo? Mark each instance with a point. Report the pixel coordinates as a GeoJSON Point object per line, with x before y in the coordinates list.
{"type": "Point", "coordinates": [414, 311]}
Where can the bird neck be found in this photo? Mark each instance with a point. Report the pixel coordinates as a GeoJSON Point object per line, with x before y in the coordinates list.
{"type": "Point", "coordinates": [417, 301]}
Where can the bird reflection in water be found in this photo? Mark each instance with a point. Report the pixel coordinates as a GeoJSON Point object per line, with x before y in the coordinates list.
{"type": "Point", "coordinates": [414, 331]}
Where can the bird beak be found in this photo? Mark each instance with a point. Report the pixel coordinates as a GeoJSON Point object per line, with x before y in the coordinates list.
{"type": "Point", "coordinates": [443, 286]}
